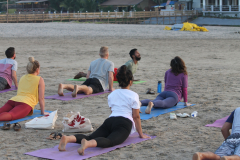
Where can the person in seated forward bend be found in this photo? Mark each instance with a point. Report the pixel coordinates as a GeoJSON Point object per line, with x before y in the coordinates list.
{"type": "Point", "coordinates": [99, 76]}
{"type": "Point", "coordinates": [230, 148]}
{"type": "Point", "coordinates": [176, 83]}
{"type": "Point", "coordinates": [30, 90]}
{"type": "Point", "coordinates": [124, 105]}
{"type": "Point", "coordinates": [8, 69]}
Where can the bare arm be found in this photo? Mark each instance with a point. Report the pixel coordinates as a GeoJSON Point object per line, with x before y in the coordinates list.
{"type": "Point", "coordinates": [14, 77]}
{"type": "Point", "coordinates": [225, 129]}
{"type": "Point", "coordinates": [41, 91]}
{"type": "Point", "coordinates": [136, 118]}
{"type": "Point", "coordinates": [88, 74]}
{"type": "Point", "coordinates": [110, 81]}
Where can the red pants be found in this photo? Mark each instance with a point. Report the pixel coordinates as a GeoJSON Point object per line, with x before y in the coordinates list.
{"type": "Point", "coordinates": [17, 110]}
{"type": "Point", "coordinates": [115, 74]}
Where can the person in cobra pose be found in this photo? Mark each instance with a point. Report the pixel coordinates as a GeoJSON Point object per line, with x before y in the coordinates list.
{"type": "Point", "coordinates": [30, 91]}
{"type": "Point", "coordinates": [124, 105]}
{"type": "Point", "coordinates": [176, 83]}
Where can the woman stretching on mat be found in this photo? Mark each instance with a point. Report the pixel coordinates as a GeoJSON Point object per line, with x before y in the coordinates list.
{"type": "Point", "coordinates": [125, 106]}
{"type": "Point", "coordinates": [176, 83]}
{"type": "Point", "coordinates": [30, 90]}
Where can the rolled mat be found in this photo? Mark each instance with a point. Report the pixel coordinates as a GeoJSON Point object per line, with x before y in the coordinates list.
{"type": "Point", "coordinates": [68, 96]}
{"type": "Point", "coordinates": [71, 150]}
{"type": "Point", "coordinates": [84, 79]}
{"type": "Point", "coordinates": [10, 89]}
{"type": "Point", "coordinates": [157, 111]}
{"type": "Point", "coordinates": [218, 123]}
{"type": "Point", "coordinates": [36, 113]}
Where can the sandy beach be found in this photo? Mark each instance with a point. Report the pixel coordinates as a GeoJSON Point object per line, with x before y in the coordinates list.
{"type": "Point", "coordinates": [64, 49]}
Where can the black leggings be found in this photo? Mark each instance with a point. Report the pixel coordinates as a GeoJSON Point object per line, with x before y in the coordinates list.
{"type": "Point", "coordinates": [114, 131]}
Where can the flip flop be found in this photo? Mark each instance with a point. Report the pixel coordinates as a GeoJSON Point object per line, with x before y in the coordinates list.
{"type": "Point", "coordinates": [149, 91]}
{"type": "Point", "coordinates": [55, 136]}
{"type": "Point", "coordinates": [6, 126]}
{"type": "Point", "coordinates": [17, 127]}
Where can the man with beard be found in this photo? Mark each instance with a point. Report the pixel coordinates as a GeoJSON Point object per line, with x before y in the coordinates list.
{"type": "Point", "coordinates": [133, 64]}
{"type": "Point", "coordinates": [8, 69]}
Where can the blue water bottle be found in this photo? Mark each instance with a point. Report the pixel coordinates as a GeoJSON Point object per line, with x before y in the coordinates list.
{"type": "Point", "coordinates": [159, 90]}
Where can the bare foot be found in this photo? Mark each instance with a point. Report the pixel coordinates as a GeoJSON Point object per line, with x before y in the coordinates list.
{"type": "Point", "coordinates": [74, 93]}
{"type": "Point", "coordinates": [62, 144]}
{"type": "Point", "coordinates": [60, 90]}
{"type": "Point", "coordinates": [83, 147]}
{"type": "Point", "coordinates": [234, 157]}
{"type": "Point", "coordinates": [149, 108]}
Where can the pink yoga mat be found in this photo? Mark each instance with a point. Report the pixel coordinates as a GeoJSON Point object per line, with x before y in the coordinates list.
{"type": "Point", "coordinates": [72, 154]}
{"type": "Point", "coordinates": [68, 96]}
{"type": "Point", "coordinates": [218, 123]}
{"type": "Point", "coordinates": [10, 89]}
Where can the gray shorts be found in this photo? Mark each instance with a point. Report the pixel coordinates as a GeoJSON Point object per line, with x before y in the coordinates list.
{"type": "Point", "coordinates": [231, 146]}
{"type": "Point", "coordinates": [3, 83]}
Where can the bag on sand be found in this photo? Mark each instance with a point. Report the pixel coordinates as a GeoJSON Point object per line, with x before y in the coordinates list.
{"type": "Point", "coordinates": [45, 122]}
{"type": "Point", "coordinates": [74, 122]}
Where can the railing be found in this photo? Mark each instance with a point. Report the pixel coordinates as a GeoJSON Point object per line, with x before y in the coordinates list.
{"type": "Point", "coordinates": [109, 17]}
{"type": "Point", "coordinates": [223, 8]}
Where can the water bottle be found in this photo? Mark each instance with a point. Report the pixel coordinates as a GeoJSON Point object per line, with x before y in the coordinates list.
{"type": "Point", "coordinates": [159, 90]}
{"type": "Point", "coordinates": [194, 114]}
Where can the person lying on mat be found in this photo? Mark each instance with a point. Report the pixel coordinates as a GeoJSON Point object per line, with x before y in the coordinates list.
{"type": "Point", "coordinates": [30, 90]}
{"type": "Point", "coordinates": [124, 105]}
{"type": "Point", "coordinates": [100, 75]}
{"type": "Point", "coordinates": [176, 83]}
{"type": "Point", "coordinates": [8, 69]}
{"type": "Point", "coordinates": [230, 148]}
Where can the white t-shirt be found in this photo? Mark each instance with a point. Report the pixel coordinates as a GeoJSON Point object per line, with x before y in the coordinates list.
{"type": "Point", "coordinates": [121, 102]}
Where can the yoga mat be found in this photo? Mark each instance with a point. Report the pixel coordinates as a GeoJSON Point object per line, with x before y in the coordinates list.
{"type": "Point", "coordinates": [10, 89]}
{"type": "Point", "coordinates": [218, 123]}
{"type": "Point", "coordinates": [156, 112]}
{"type": "Point", "coordinates": [84, 79]}
{"type": "Point", "coordinates": [72, 154]}
{"type": "Point", "coordinates": [36, 113]}
{"type": "Point", "coordinates": [68, 96]}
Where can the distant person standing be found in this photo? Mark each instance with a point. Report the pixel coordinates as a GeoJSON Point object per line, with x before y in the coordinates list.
{"type": "Point", "coordinates": [8, 69]}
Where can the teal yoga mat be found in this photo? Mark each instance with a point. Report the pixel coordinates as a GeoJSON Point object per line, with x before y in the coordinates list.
{"type": "Point", "coordinates": [36, 113]}
{"type": "Point", "coordinates": [84, 79]}
{"type": "Point", "coordinates": [156, 112]}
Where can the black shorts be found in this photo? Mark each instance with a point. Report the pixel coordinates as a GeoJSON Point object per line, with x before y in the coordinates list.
{"type": "Point", "coordinates": [95, 84]}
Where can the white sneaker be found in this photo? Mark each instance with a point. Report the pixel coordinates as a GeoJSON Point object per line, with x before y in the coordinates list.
{"type": "Point", "coordinates": [173, 116]}
{"type": "Point", "coordinates": [184, 115]}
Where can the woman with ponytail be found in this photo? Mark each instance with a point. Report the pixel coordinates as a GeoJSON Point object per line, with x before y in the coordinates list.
{"type": "Point", "coordinates": [176, 83]}
{"type": "Point", "coordinates": [124, 105]}
{"type": "Point", "coordinates": [31, 89]}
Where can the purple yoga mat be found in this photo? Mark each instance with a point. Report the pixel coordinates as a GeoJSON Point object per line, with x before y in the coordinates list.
{"type": "Point", "coordinates": [68, 96]}
{"type": "Point", "coordinates": [10, 89]}
{"type": "Point", "coordinates": [71, 150]}
{"type": "Point", "coordinates": [218, 123]}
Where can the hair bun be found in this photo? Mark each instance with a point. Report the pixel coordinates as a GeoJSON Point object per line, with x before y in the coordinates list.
{"type": "Point", "coordinates": [31, 59]}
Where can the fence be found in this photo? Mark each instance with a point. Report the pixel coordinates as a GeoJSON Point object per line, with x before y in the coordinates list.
{"type": "Point", "coordinates": [105, 17]}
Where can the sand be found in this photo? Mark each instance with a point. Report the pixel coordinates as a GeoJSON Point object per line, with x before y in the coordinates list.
{"type": "Point", "coordinates": [64, 49]}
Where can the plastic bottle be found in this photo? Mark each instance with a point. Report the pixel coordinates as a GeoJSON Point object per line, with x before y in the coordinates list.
{"type": "Point", "coordinates": [159, 89]}
{"type": "Point", "coordinates": [194, 114]}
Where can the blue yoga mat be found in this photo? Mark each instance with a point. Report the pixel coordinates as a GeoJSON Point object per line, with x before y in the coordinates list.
{"type": "Point", "coordinates": [36, 113]}
{"type": "Point", "coordinates": [156, 112]}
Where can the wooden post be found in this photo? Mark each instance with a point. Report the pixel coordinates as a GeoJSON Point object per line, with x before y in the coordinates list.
{"type": "Point", "coordinates": [25, 18]}
{"type": "Point", "coordinates": [43, 16]}
{"type": "Point", "coordinates": [150, 17]}
{"type": "Point", "coordinates": [115, 17]}
{"type": "Point", "coordinates": [163, 17]}
{"type": "Point", "coordinates": [17, 18]}
{"type": "Point", "coordinates": [108, 17]}
{"type": "Point", "coordinates": [157, 17]}
{"type": "Point", "coordinates": [181, 16]}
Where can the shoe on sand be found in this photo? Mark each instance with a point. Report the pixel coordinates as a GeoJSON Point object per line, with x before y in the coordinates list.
{"type": "Point", "coordinates": [173, 116]}
{"type": "Point", "coordinates": [184, 115]}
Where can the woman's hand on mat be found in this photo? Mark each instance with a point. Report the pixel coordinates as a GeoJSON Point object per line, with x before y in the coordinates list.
{"type": "Point", "coordinates": [144, 136]}
{"type": "Point", "coordinates": [187, 104]}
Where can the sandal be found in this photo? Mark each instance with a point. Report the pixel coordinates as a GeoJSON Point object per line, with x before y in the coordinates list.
{"type": "Point", "coordinates": [149, 91]}
{"type": "Point", "coordinates": [55, 136]}
{"type": "Point", "coordinates": [17, 127]}
{"type": "Point", "coordinates": [6, 126]}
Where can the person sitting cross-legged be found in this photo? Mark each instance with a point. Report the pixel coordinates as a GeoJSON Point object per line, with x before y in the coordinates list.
{"type": "Point", "coordinates": [124, 105]}
{"type": "Point", "coordinates": [99, 76]}
{"type": "Point", "coordinates": [230, 148]}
